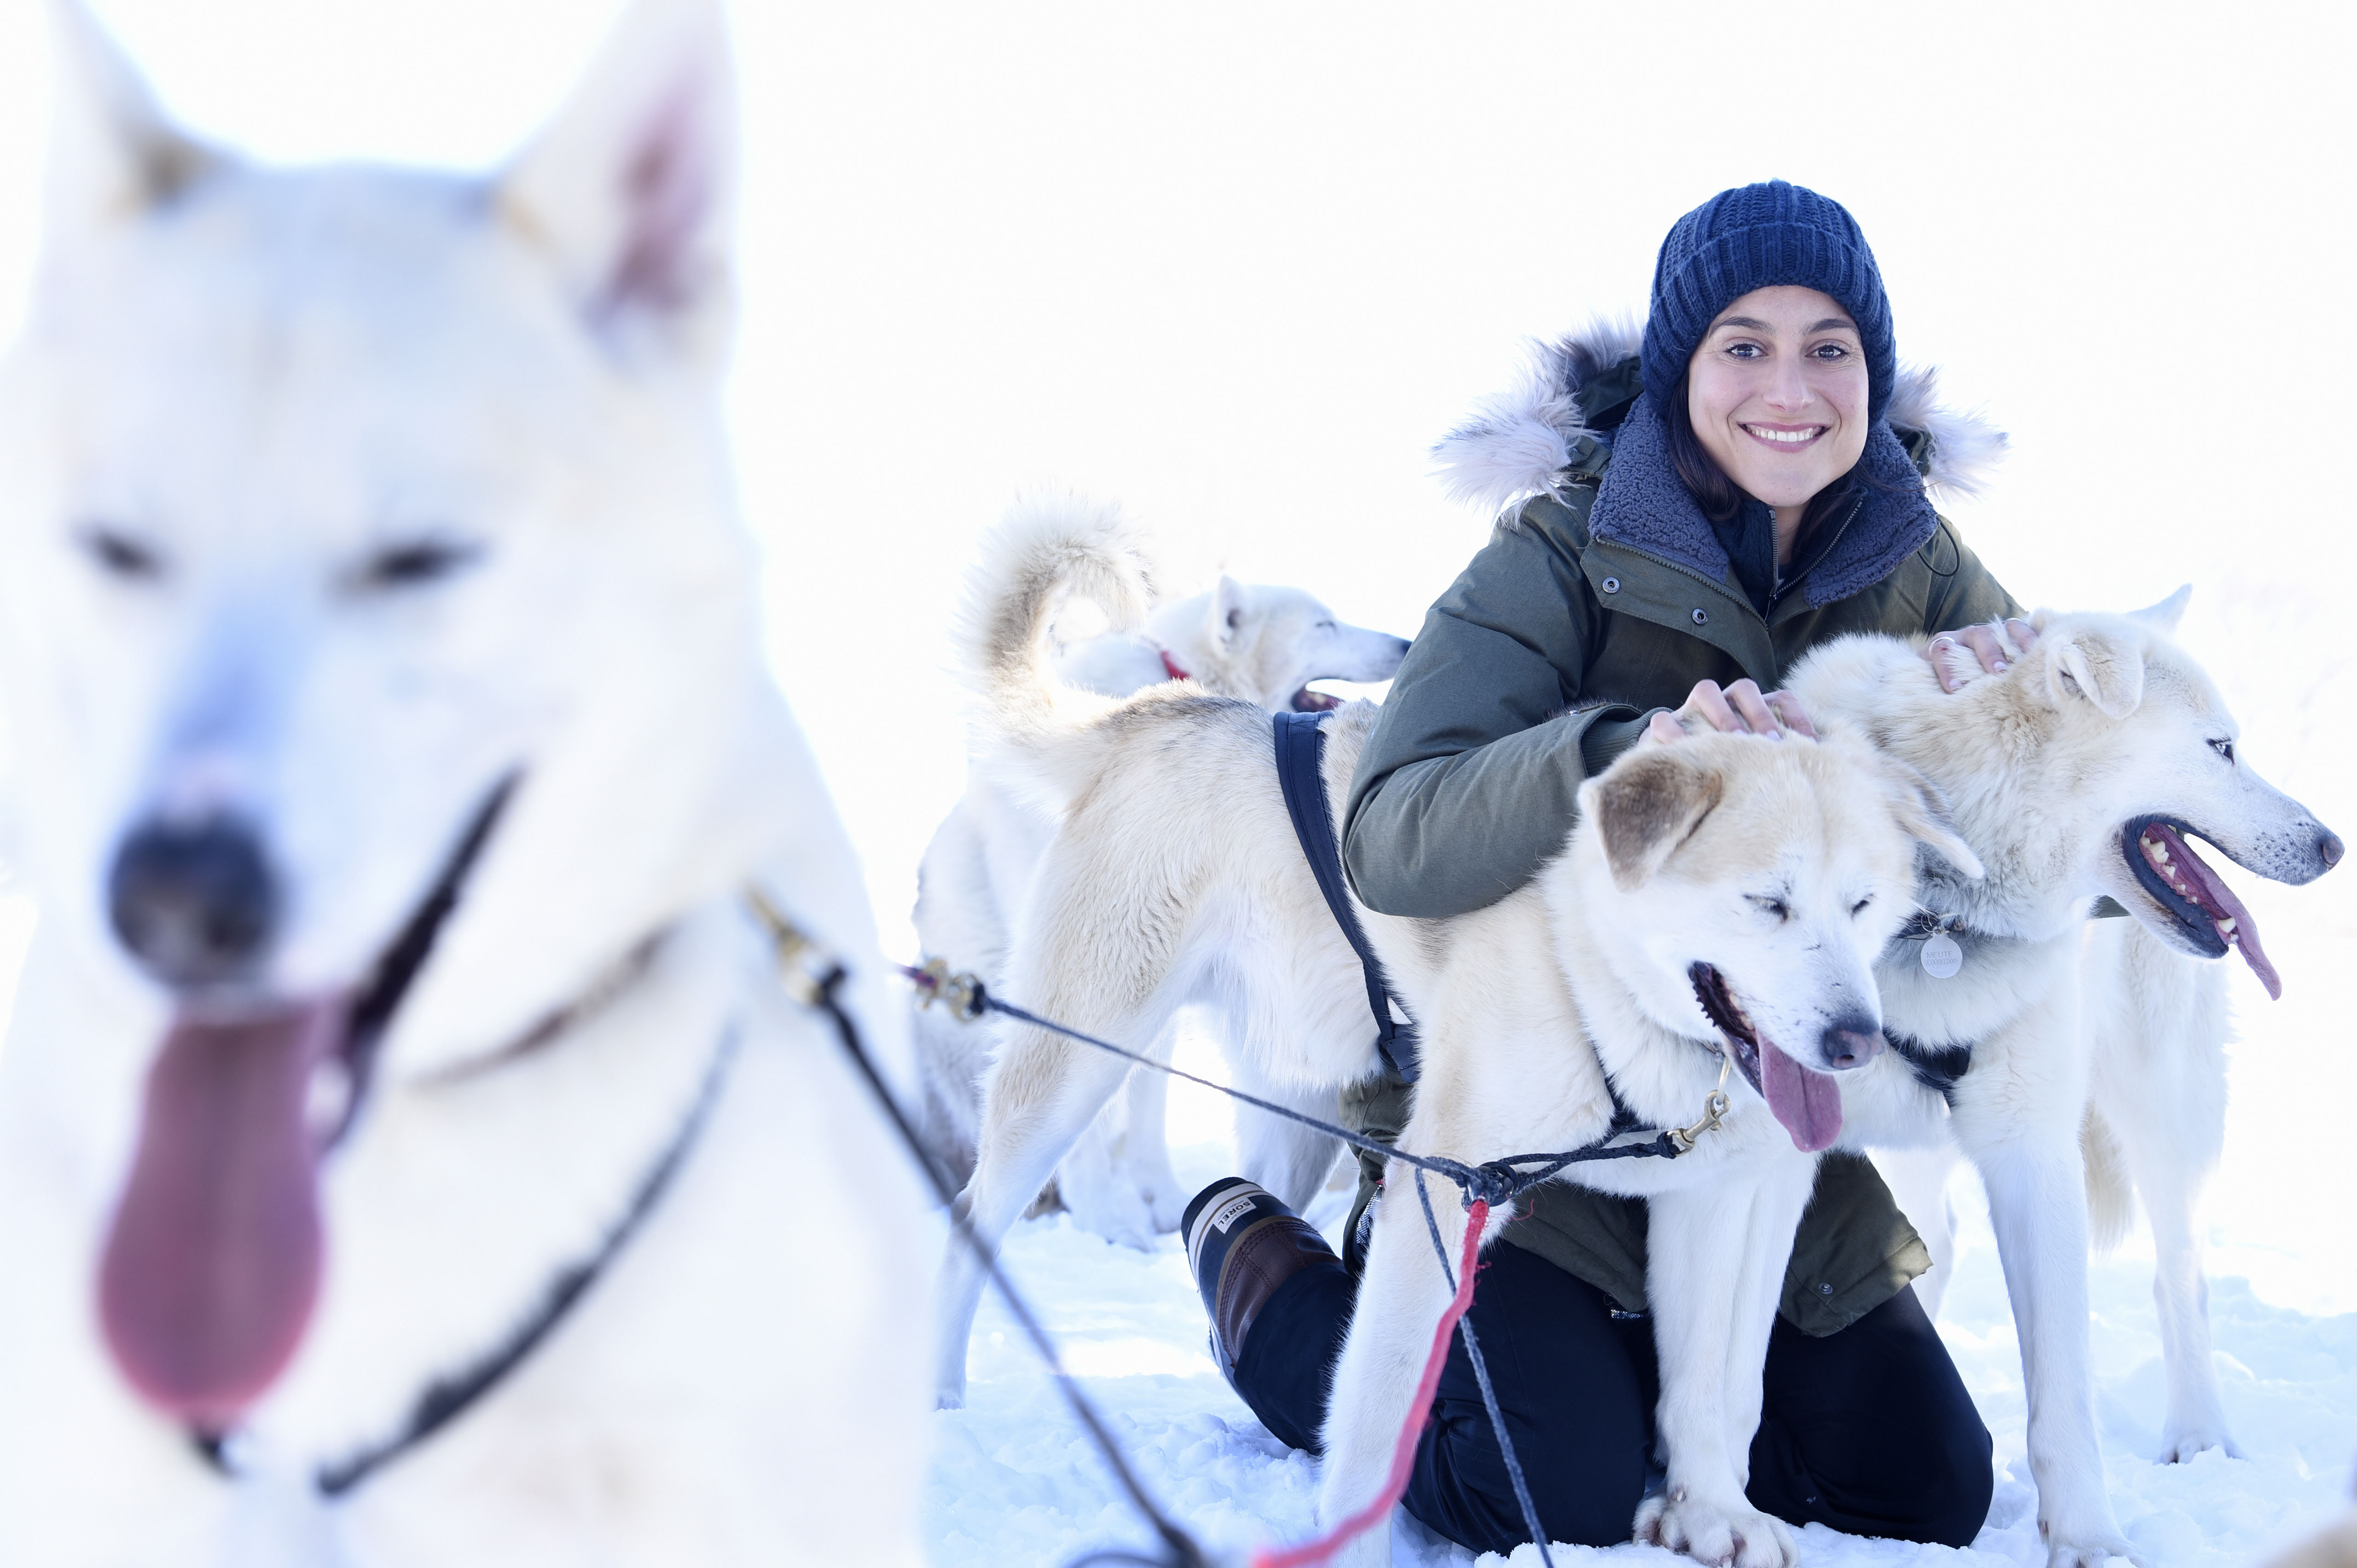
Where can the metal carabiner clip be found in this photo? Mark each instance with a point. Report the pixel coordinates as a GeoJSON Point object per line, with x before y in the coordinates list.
{"type": "Point", "coordinates": [1714, 1107]}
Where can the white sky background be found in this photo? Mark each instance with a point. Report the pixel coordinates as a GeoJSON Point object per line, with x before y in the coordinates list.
{"type": "Point", "coordinates": [1240, 264]}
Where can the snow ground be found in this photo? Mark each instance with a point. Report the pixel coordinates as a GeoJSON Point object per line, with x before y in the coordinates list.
{"type": "Point", "coordinates": [1014, 1482]}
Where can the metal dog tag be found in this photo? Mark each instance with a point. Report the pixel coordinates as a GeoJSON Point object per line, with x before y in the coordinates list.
{"type": "Point", "coordinates": [1941, 956]}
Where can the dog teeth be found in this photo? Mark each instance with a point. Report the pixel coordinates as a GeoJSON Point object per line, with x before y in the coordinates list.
{"type": "Point", "coordinates": [2225, 927]}
{"type": "Point", "coordinates": [2157, 853]}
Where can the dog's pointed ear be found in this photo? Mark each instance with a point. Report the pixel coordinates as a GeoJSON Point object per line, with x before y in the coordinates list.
{"type": "Point", "coordinates": [630, 192]}
{"type": "Point", "coordinates": [2163, 616]}
{"type": "Point", "coordinates": [1923, 811]}
{"type": "Point", "coordinates": [114, 156]}
{"type": "Point", "coordinates": [1646, 805]}
{"type": "Point", "coordinates": [1225, 619]}
{"type": "Point", "coordinates": [2086, 662]}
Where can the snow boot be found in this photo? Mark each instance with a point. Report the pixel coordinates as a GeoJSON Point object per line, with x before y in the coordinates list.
{"type": "Point", "coordinates": [1241, 1244]}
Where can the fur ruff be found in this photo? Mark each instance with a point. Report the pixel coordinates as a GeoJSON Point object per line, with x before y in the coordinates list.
{"type": "Point", "coordinates": [1517, 446]}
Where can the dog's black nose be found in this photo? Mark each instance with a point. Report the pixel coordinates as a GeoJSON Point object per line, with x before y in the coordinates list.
{"type": "Point", "coordinates": [2330, 848]}
{"type": "Point", "coordinates": [195, 902]}
{"type": "Point", "coordinates": [1850, 1042]}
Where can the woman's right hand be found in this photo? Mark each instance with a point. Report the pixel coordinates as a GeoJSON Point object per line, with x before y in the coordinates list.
{"type": "Point", "coordinates": [1739, 709]}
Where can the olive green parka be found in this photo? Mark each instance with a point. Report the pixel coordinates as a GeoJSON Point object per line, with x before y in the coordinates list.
{"type": "Point", "coordinates": [1543, 662]}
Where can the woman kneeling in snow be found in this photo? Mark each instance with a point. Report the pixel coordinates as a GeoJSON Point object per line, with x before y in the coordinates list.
{"type": "Point", "coordinates": [1746, 484]}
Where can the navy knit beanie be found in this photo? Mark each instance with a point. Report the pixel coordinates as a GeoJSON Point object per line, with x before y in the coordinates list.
{"type": "Point", "coordinates": [1758, 236]}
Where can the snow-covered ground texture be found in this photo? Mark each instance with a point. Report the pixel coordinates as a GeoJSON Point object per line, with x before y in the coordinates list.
{"type": "Point", "coordinates": [1015, 1482]}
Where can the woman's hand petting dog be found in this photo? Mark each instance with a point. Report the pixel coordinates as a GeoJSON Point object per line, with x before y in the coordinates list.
{"type": "Point", "coordinates": [1987, 642]}
{"type": "Point", "coordinates": [1744, 709]}
{"type": "Point", "coordinates": [1739, 709]}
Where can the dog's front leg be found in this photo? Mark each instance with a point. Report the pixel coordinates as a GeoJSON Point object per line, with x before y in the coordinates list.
{"type": "Point", "coordinates": [1760, 1288]}
{"type": "Point", "coordinates": [2038, 1206]}
{"type": "Point", "coordinates": [1401, 1300]}
{"type": "Point", "coordinates": [2017, 1116]}
{"type": "Point", "coordinates": [1708, 1251]}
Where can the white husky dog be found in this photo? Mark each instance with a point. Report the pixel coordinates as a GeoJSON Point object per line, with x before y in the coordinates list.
{"type": "Point", "coordinates": [1176, 878]}
{"type": "Point", "coordinates": [2078, 771]}
{"type": "Point", "coordinates": [406, 1153]}
{"type": "Point", "coordinates": [1263, 645]}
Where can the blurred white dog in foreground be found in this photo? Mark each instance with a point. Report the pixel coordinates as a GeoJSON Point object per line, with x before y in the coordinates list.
{"type": "Point", "coordinates": [1263, 645]}
{"type": "Point", "coordinates": [407, 1154]}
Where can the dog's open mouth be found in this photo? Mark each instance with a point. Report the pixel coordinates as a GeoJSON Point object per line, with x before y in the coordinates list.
{"type": "Point", "coordinates": [2204, 908]}
{"type": "Point", "coordinates": [1306, 701]}
{"type": "Point", "coordinates": [1808, 1104]}
{"type": "Point", "coordinates": [213, 1263]}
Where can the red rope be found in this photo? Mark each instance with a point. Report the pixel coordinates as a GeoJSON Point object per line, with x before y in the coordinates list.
{"type": "Point", "coordinates": [1404, 1456]}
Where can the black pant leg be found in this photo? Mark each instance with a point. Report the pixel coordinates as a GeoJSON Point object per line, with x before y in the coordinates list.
{"type": "Point", "coordinates": [1575, 1404]}
{"type": "Point", "coordinates": [1287, 1366]}
{"type": "Point", "coordinates": [1870, 1431]}
{"type": "Point", "coordinates": [1574, 1400]}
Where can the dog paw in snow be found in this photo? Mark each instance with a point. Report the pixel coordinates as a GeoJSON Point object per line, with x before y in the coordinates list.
{"type": "Point", "coordinates": [2087, 1549]}
{"type": "Point", "coordinates": [2180, 1442]}
{"type": "Point", "coordinates": [1730, 1537]}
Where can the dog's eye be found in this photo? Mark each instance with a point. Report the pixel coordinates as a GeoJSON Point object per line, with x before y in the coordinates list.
{"type": "Point", "coordinates": [1859, 907]}
{"type": "Point", "coordinates": [1775, 907]}
{"type": "Point", "coordinates": [2224, 749]}
{"type": "Point", "coordinates": [119, 554]}
{"type": "Point", "coordinates": [414, 563]}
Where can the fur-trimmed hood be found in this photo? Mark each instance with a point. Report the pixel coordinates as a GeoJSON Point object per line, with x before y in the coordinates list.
{"type": "Point", "coordinates": [1522, 444]}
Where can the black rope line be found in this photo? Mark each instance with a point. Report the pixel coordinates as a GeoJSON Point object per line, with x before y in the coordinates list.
{"type": "Point", "coordinates": [1531, 1524]}
{"type": "Point", "coordinates": [1180, 1549]}
{"type": "Point", "coordinates": [1494, 1182]}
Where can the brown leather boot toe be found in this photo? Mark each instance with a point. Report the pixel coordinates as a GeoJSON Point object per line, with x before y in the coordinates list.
{"type": "Point", "coordinates": [1241, 1244]}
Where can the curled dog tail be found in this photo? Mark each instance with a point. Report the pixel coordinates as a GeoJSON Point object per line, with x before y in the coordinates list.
{"type": "Point", "coordinates": [1048, 547]}
{"type": "Point", "coordinates": [2111, 1191]}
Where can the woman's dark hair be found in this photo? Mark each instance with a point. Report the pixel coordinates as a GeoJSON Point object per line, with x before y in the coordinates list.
{"type": "Point", "coordinates": [1720, 498]}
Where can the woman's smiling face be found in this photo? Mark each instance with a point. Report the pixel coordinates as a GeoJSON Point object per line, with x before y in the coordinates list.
{"type": "Point", "coordinates": [1777, 393]}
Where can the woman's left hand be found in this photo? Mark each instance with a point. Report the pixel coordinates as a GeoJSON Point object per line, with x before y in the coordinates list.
{"type": "Point", "coordinates": [1987, 646]}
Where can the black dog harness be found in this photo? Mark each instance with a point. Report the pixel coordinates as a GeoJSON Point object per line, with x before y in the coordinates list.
{"type": "Point", "coordinates": [1300, 770]}
{"type": "Point", "coordinates": [1300, 758]}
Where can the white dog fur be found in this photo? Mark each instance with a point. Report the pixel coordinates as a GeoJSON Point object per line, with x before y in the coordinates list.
{"type": "Point", "coordinates": [2048, 766]}
{"type": "Point", "coordinates": [2157, 1026]}
{"type": "Point", "coordinates": [1139, 910]}
{"type": "Point", "coordinates": [334, 498]}
{"type": "Point", "coordinates": [1260, 644]}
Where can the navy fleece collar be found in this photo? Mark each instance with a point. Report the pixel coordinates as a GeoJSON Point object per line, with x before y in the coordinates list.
{"type": "Point", "coordinates": [1643, 505]}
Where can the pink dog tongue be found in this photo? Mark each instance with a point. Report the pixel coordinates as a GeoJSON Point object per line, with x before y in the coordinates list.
{"type": "Point", "coordinates": [213, 1263]}
{"type": "Point", "coordinates": [1808, 1103]}
{"type": "Point", "coordinates": [2245, 934]}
